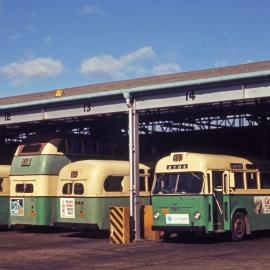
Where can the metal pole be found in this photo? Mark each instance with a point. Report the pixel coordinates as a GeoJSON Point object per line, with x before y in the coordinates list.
{"type": "Point", "coordinates": [133, 125]}
{"type": "Point", "coordinates": [131, 166]}
{"type": "Point", "coordinates": [137, 203]}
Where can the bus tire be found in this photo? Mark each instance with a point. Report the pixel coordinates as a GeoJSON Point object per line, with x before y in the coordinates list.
{"type": "Point", "coordinates": [165, 237]}
{"type": "Point", "coordinates": [238, 227]}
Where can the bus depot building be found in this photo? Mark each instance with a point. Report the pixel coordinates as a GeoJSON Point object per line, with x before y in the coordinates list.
{"type": "Point", "coordinates": [221, 111]}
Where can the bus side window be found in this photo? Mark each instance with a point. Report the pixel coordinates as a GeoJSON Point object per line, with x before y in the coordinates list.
{"type": "Point", "coordinates": [78, 189]}
{"type": "Point", "coordinates": [265, 179]}
{"type": "Point", "coordinates": [113, 183]}
{"type": "Point", "coordinates": [1, 184]}
{"type": "Point", "coordinates": [251, 178]}
{"type": "Point", "coordinates": [67, 189]}
{"type": "Point", "coordinates": [239, 180]}
{"type": "Point", "coordinates": [217, 179]}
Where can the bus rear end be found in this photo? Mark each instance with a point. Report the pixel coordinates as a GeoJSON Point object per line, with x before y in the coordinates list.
{"type": "Point", "coordinates": [88, 189]}
{"type": "Point", "coordinates": [32, 200]}
{"type": "Point", "coordinates": [4, 194]}
{"type": "Point", "coordinates": [34, 171]}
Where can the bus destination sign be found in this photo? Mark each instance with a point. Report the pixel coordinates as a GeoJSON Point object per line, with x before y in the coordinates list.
{"type": "Point", "coordinates": [177, 167]}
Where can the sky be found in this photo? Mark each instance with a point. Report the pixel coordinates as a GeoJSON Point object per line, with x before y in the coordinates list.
{"type": "Point", "coordinates": [47, 45]}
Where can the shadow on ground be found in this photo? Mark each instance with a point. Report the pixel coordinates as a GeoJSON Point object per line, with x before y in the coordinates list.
{"type": "Point", "coordinates": [90, 234]}
{"type": "Point", "coordinates": [40, 229]}
{"type": "Point", "coordinates": [212, 238]}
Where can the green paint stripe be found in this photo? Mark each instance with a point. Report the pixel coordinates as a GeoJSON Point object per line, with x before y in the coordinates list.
{"type": "Point", "coordinates": [209, 195]}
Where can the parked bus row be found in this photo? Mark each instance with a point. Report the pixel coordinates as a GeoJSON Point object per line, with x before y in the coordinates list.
{"type": "Point", "coordinates": [191, 192]}
{"type": "Point", "coordinates": [49, 186]}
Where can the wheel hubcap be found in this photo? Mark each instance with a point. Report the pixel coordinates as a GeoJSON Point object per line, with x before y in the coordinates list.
{"type": "Point", "coordinates": [239, 226]}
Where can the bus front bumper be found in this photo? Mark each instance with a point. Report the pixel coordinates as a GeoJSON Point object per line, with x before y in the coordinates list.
{"type": "Point", "coordinates": [179, 228]}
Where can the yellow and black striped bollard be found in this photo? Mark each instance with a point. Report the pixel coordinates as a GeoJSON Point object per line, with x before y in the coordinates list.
{"type": "Point", "coordinates": [119, 225]}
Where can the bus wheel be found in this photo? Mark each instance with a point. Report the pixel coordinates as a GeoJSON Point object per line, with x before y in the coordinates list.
{"type": "Point", "coordinates": [164, 236]}
{"type": "Point", "coordinates": [238, 227]}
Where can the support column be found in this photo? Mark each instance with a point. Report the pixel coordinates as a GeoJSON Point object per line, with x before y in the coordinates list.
{"type": "Point", "coordinates": [133, 124]}
{"type": "Point", "coordinates": [136, 160]}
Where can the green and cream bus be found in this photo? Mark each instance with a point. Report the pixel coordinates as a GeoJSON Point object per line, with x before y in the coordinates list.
{"type": "Point", "coordinates": [4, 194]}
{"type": "Point", "coordinates": [211, 193]}
{"type": "Point", "coordinates": [87, 189]}
{"type": "Point", "coordinates": [35, 169]}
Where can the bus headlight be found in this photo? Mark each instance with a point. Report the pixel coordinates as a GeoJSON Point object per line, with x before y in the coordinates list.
{"type": "Point", "coordinates": [197, 215]}
{"type": "Point", "coordinates": [156, 215]}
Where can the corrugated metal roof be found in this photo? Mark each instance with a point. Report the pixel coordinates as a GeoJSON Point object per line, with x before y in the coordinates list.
{"type": "Point", "coordinates": [141, 82]}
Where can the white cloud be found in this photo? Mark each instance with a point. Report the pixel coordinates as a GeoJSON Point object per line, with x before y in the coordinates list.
{"type": "Point", "coordinates": [107, 65]}
{"type": "Point", "coordinates": [92, 10]}
{"type": "Point", "coordinates": [142, 62]}
{"type": "Point", "coordinates": [32, 69]}
{"type": "Point", "coordinates": [161, 69]}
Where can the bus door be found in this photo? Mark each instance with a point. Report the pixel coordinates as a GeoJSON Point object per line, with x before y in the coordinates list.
{"type": "Point", "coordinates": [227, 177]}
{"type": "Point", "coordinates": [217, 187]}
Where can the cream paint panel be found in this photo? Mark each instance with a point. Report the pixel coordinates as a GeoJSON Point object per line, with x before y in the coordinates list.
{"type": "Point", "coordinates": [94, 172]}
{"type": "Point", "coordinates": [4, 170]}
{"type": "Point", "coordinates": [44, 185]}
{"type": "Point", "coordinates": [250, 191]}
{"type": "Point", "coordinates": [199, 162]}
{"type": "Point", "coordinates": [4, 173]}
{"type": "Point", "coordinates": [17, 151]}
{"type": "Point", "coordinates": [51, 147]}
{"type": "Point", "coordinates": [5, 187]}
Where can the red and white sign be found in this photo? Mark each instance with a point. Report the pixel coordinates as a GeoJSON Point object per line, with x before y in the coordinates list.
{"type": "Point", "coordinates": [67, 207]}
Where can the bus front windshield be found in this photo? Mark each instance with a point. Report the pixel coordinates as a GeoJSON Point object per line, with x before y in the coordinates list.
{"type": "Point", "coordinates": [178, 183]}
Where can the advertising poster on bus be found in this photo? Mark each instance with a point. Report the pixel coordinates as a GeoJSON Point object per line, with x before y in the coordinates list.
{"type": "Point", "coordinates": [262, 204]}
{"type": "Point", "coordinates": [17, 207]}
{"type": "Point", "coordinates": [67, 208]}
